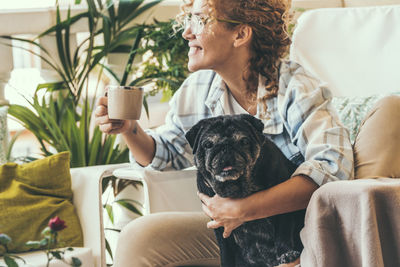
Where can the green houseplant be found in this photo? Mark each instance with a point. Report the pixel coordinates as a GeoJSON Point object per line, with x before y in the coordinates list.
{"type": "Point", "coordinates": [61, 119]}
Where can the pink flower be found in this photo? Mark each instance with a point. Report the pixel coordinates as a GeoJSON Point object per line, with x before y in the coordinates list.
{"type": "Point", "coordinates": [56, 224]}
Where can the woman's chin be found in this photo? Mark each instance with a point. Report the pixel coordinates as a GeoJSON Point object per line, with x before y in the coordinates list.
{"type": "Point", "coordinates": [192, 67]}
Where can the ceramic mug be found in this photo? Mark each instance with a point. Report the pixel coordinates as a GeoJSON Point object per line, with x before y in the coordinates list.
{"type": "Point", "coordinates": [124, 102]}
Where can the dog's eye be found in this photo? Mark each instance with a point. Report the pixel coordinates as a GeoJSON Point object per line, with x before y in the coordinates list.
{"type": "Point", "coordinates": [244, 141]}
{"type": "Point", "coordinates": [208, 144]}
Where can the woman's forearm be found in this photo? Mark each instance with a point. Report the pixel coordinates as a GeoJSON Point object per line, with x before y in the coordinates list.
{"type": "Point", "coordinates": [291, 195]}
{"type": "Point", "coordinates": [141, 145]}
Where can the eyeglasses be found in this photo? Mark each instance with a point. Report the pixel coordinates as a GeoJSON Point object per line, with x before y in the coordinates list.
{"type": "Point", "coordinates": [197, 23]}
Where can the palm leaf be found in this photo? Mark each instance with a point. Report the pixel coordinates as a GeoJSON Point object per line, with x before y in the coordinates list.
{"type": "Point", "coordinates": [64, 24]}
{"type": "Point", "coordinates": [126, 204]}
{"type": "Point", "coordinates": [107, 32]}
{"type": "Point", "coordinates": [108, 248]}
{"type": "Point", "coordinates": [76, 144]}
{"type": "Point", "coordinates": [132, 55]}
{"type": "Point", "coordinates": [10, 261]}
{"type": "Point", "coordinates": [111, 13]}
{"type": "Point", "coordinates": [110, 212]}
{"type": "Point", "coordinates": [125, 8]}
{"type": "Point", "coordinates": [94, 147]}
{"type": "Point", "coordinates": [137, 12]}
{"type": "Point", "coordinates": [68, 47]}
{"type": "Point", "coordinates": [108, 148]}
{"type": "Point", "coordinates": [11, 144]}
{"type": "Point", "coordinates": [111, 72]}
{"type": "Point", "coordinates": [84, 129]}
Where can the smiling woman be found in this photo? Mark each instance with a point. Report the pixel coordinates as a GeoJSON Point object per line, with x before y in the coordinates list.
{"type": "Point", "coordinates": [236, 56]}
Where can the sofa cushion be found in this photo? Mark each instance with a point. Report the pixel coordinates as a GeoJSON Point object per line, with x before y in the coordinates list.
{"type": "Point", "coordinates": [376, 148]}
{"type": "Point", "coordinates": [33, 193]}
{"type": "Point", "coordinates": [354, 50]}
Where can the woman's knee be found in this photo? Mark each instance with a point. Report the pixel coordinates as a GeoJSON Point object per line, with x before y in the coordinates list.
{"type": "Point", "coordinates": [163, 239]}
{"type": "Point", "coordinates": [384, 109]}
{"type": "Point", "coordinates": [138, 231]}
{"type": "Point", "coordinates": [378, 141]}
{"type": "Point", "coordinates": [134, 241]}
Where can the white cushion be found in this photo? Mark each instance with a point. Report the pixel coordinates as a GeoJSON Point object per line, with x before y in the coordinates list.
{"type": "Point", "coordinates": [355, 50]}
{"type": "Point", "coordinates": [167, 190]}
{"type": "Point", "coordinates": [172, 190]}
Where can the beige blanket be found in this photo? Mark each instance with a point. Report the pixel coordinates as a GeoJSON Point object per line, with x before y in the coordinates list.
{"type": "Point", "coordinates": [353, 223]}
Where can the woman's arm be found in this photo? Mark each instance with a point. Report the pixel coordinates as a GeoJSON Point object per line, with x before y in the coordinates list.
{"type": "Point", "coordinates": [166, 144]}
{"type": "Point", "coordinates": [141, 145]}
{"type": "Point", "coordinates": [291, 195]}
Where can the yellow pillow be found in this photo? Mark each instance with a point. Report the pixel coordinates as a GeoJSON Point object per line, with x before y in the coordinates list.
{"type": "Point", "coordinates": [33, 193]}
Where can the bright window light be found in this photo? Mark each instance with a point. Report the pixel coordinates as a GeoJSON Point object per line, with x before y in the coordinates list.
{"type": "Point", "coordinates": [16, 4]}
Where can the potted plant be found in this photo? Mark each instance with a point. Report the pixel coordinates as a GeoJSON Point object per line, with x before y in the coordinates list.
{"type": "Point", "coordinates": [61, 119]}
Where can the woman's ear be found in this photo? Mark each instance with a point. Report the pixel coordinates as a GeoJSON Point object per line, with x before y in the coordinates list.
{"type": "Point", "coordinates": [243, 35]}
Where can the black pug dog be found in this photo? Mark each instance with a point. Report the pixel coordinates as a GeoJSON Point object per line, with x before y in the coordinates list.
{"type": "Point", "coordinates": [235, 159]}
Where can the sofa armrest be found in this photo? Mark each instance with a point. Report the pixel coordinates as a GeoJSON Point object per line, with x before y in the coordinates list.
{"type": "Point", "coordinates": [353, 223]}
{"type": "Point", "coordinates": [86, 187]}
{"type": "Point", "coordinates": [168, 190]}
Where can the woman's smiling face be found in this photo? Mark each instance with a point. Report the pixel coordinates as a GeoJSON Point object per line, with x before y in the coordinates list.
{"type": "Point", "coordinates": [212, 47]}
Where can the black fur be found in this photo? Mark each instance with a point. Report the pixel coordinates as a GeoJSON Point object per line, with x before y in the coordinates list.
{"type": "Point", "coordinates": [234, 159]}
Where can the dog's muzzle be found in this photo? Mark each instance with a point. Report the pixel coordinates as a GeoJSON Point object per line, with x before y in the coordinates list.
{"type": "Point", "coordinates": [228, 174]}
{"type": "Point", "coordinates": [227, 169]}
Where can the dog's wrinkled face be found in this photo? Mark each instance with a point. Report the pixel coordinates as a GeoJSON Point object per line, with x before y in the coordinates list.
{"type": "Point", "coordinates": [225, 150]}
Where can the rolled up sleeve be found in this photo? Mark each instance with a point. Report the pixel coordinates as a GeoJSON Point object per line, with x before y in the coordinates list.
{"type": "Point", "coordinates": [314, 127]}
{"type": "Point", "coordinates": [171, 147]}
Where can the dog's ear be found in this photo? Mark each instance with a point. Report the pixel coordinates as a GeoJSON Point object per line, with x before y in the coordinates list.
{"type": "Point", "coordinates": [192, 136]}
{"type": "Point", "coordinates": [256, 123]}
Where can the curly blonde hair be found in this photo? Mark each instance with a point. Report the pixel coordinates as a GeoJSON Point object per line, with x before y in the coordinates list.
{"type": "Point", "coordinates": [270, 41]}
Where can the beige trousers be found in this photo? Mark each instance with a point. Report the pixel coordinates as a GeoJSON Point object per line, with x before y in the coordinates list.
{"type": "Point", "coordinates": [167, 239]}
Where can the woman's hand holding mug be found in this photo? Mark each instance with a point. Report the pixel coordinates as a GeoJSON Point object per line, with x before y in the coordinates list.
{"type": "Point", "coordinates": [117, 111]}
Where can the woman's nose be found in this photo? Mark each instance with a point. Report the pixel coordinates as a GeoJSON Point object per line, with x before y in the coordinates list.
{"type": "Point", "coordinates": [187, 34]}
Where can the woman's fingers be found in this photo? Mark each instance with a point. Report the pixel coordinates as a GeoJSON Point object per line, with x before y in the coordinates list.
{"type": "Point", "coordinates": [100, 111]}
{"type": "Point", "coordinates": [109, 128]}
{"type": "Point", "coordinates": [227, 232]}
{"type": "Point", "coordinates": [104, 119]}
{"type": "Point", "coordinates": [102, 101]}
{"type": "Point", "coordinates": [204, 198]}
{"type": "Point", "coordinates": [220, 211]}
{"type": "Point", "coordinates": [214, 224]}
{"type": "Point", "coordinates": [106, 125]}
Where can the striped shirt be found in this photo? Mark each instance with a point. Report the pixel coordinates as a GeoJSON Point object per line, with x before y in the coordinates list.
{"type": "Point", "coordinates": [301, 121]}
